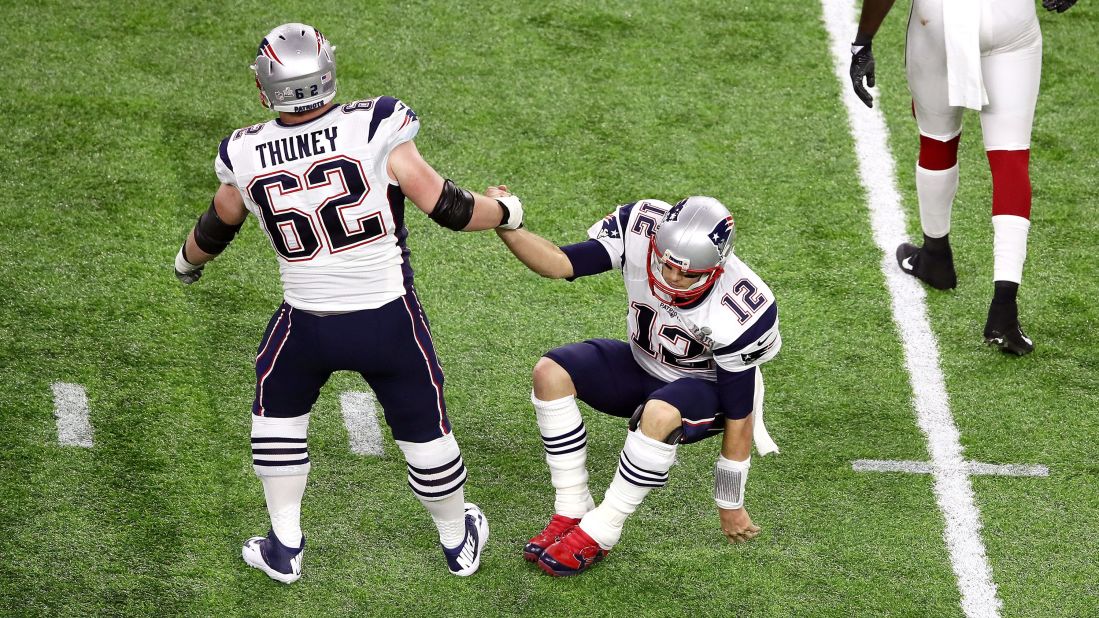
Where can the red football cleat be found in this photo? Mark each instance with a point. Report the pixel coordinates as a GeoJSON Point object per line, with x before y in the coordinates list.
{"type": "Point", "coordinates": [575, 552]}
{"type": "Point", "coordinates": [558, 525]}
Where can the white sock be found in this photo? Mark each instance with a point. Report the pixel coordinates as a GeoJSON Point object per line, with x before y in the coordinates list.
{"type": "Point", "coordinates": [566, 444]}
{"type": "Point", "coordinates": [1009, 247]}
{"type": "Point", "coordinates": [437, 475]}
{"type": "Point", "coordinates": [935, 190]}
{"type": "Point", "coordinates": [642, 467]}
{"type": "Point", "coordinates": [284, 494]}
{"type": "Point", "coordinates": [449, 515]}
{"type": "Point", "coordinates": [280, 457]}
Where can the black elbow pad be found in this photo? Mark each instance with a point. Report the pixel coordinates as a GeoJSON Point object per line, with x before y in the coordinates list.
{"type": "Point", "coordinates": [454, 208]}
{"type": "Point", "coordinates": [213, 235]}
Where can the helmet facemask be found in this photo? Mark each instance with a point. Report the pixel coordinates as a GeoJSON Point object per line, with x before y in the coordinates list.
{"type": "Point", "coordinates": [669, 294]}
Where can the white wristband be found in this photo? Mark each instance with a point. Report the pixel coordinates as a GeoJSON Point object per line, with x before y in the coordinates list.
{"type": "Point", "coordinates": [182, 265]}
{"type": "Point", "coordinates": [730, 478]}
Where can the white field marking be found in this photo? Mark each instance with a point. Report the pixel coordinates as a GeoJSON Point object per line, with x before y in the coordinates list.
{"type": "Point", "coordinates": [923, 467]}
{"type": "Point", "coordinates": [70, 406]}
{"type": "Point", "coordinates": [953, 491]}
{"type": "Point", "coordinates": [362, 422]}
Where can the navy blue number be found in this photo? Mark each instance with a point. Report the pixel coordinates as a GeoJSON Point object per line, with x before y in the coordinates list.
{"type": "Point", "coordinates": [645, 317]}
{"type": "Point", "coordinates": [358, 106]}
{"type": "Point", "coordinates": [752, 299]}
{"type": "Point", "coordinates": [291, 231]}
{"type": "Point", "coordinates": [355, 189]}
{"type": "Point", "coordinates": [645, 224]}
{"type": "Point", "coordinates": [294, 233]}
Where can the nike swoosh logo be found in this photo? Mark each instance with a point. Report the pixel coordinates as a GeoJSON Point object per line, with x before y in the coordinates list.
{"type": "Point", "coordinates": [765, 338]}
{"type": "Point", "coordinates": [906, 263]}
{"type": "Point", "coordinates": [466, 557]}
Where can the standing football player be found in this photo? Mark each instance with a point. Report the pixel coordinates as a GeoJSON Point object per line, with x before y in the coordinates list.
{"type": "Point", "coordinates": [328, 184]}
{"type": "Point", "coordinates": [984, 55]}
{"type": "Point", "coordinates": [700, 325]}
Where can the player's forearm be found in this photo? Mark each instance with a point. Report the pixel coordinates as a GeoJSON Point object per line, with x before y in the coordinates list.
{"type": "Point", "coordinates": [736, 443]}
{"type": "Point", "coordinates": [873, 14]}
{"type": "Point", "coordinates": [537, 253]}
{"type": "Point", "coordinates": [192, 253]}
{"type": "Point", "coordinates": [487, 214]}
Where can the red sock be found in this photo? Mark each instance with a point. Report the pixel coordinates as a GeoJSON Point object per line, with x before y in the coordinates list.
{"type": "Point", "coordinates": [1010, 182]}
{"type": "Point", "coordinates": [936, 155]}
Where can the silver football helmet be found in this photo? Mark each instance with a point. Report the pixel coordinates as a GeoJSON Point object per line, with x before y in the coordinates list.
{"type": "Point", "coordinates": [295, 69]}
{"type": "Point", "coordinates": [695, 237]}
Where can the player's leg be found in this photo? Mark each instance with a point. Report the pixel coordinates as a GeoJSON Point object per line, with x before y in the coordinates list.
{"type": "Point", "coordinates": [649, 451]}
{"type": "Point", "coordinates": [288, 381]}
{"type": "Point", "coordinates": [408, 382]}
{"type": "Point", "coordinates": [603, 374]}
{"type": "Point", "coordinates": [940, 128]}
{"type": "Point", "coordinates": [1012, 79]}
{"type": "Point", "coordinates": [562, 430]}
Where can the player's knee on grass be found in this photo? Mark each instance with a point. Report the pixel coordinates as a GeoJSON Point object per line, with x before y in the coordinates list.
{"type": "Point", "coordinates": [661, 421]}
{"type": "Point", "coordinates": [551, 381]}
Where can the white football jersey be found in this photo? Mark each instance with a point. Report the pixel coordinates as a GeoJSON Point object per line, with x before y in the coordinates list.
{"type": "Point", "coordinates": [321, 193]}
{"type": "Point", "coordinates": [735, 326]}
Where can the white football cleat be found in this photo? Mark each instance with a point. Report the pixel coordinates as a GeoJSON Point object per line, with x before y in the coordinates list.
{"type": "Point", "coordinates": [465, 559]}
{"type": "Point", "coordinates": [268, 554]}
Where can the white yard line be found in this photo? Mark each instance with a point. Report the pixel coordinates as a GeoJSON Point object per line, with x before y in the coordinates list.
{"type": "Point", "coordinates": [923, 467]}
{"type": "Point", "coordinates": [70, 406]}
{"type": "Point", "coordinates": [361, 420]}
{"type": "Point", "coordinates": [953, 490]}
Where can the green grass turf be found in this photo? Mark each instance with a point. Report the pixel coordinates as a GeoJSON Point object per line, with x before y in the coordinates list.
{"type": "Point", "coordinates": [114, 114]}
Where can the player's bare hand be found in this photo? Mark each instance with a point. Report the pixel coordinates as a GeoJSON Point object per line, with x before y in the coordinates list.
{"type": "Point", "coordinates": [737, 525]}
{"type": "Point", "coordinates": [1058, 5]}
{"type": "Point", "coordinates": [497, 191]}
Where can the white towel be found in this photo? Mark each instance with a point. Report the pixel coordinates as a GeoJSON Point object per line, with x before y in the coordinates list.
{"type": "Point", "coordinates": [764, 443]}
{"type": "Point", "coordinates": [962, 27]}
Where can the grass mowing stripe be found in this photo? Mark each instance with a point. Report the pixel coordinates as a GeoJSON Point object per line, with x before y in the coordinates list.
{"type": "Point", "coordinates": [953, 489]}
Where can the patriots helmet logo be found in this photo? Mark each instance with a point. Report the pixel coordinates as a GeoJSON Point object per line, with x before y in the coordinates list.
{"type": "Point", "coordinates": [673, 214]}
{"type": "Point", "coordinates": [722, 234]}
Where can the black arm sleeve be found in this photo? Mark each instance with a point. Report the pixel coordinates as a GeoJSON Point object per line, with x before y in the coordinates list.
{"type": "Point", "coordinates": [454, 208]}
{"type": "Point", "coordinates": [213, 235]}
{"type": "Point", "coordinates": [588, 258]}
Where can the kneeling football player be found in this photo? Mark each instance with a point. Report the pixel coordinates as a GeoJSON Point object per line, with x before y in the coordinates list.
{"type": "Point", "coordinates": [700, 324]}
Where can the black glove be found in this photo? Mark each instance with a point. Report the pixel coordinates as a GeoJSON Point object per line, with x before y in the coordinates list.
{"type": "Point", "coordinates": [1058, 5]}
{"type": "Point", "coordinates": [186, 272]}
{"type": "Point", "coordinates": [862, 64]}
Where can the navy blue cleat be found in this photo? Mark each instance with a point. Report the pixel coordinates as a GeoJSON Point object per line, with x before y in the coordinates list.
{"type": "Point", "coordinates": [465, 559]}
{"type": "Point", "coordinates": [268, 554]}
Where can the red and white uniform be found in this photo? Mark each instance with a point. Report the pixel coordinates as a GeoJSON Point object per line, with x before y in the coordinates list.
{"type": "Point", "coordinates": [1006, 44]}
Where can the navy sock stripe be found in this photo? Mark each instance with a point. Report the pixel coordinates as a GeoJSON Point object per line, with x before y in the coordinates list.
{"type": "Point", "coordinates": [296, 462]}
{"type": "Point", "coordinates": [436, 470]}
{"type": "Point", "coordinates": [266, 440]}
{"type": "Point", "coordinates": [581, 438]}
{"type": "Point", "coordinates": [439, 481]}
{"type": "Point", "coordinates": [633, 481]}
{"type": "Point", "coordinates": [642, 478]}
{"type": "Point", "coordinates": [437, 494]}
{"type": "Point", "coordinates": [578, 447]}
{"type": "Point", "coordinates": [572, 431]}
{"type": "Point", "coordinates": [625, 460]}
{"type": "Point", "coordinates": [280, 451]}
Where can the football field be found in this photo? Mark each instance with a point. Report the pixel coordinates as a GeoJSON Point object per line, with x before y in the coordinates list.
{"type": "Point", "coordinates": [126, 482]}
